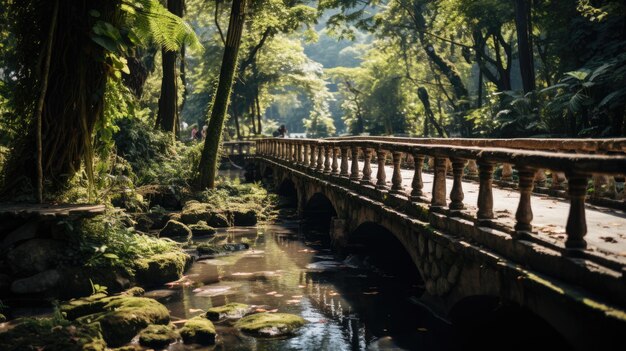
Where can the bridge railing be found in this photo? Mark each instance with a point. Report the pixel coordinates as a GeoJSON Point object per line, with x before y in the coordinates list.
{"type": "Point", "coordinates": [242, 147]}
{"type": "Point", "coordinates": [340, 158]}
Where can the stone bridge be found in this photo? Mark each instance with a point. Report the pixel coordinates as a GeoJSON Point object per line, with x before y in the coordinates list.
{"type": "Point", "coordinates": [515, 226]}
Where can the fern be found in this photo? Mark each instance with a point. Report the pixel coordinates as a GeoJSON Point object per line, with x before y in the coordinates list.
{"type": "Point", "coordinates": [151, 22]}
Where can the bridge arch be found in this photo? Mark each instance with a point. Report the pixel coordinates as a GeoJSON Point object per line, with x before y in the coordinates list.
{"type": "Point", "coordinates": [288, 191]}
{"type": "Point", "coordinates": [384, 249]}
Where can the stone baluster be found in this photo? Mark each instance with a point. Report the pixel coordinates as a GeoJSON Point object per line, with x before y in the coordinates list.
{"type": "Point", "coordinates": [313, 160]}
{"type": "Point", "coordinates": [327, 156]}
{"type": "Point", "coordinates": [456, 194]}
{"type": "Point", "coordinates": [367, 168]}
{"type": "Point", "coordinates": [472, 169]}
{"type": "Point", "coordinates": [306, 160]}
{"type": "Point", "coordinates": [354, 170]}
{"type": "Point", "coordinates": [279, 150]}
{"type": "Point", "coordinates": [335, 166]}
{"type": "Point", "coordinates": [344, 162]}
{"type": "Point", "coordinates": [439, 183]}
{"type": "Point", "coordinates": [485, 194]}
{"type": "Point", "coordinates": [417, 185]}
{"type": "Point", "coordinates": [524, 214]}
{"type": "Point", "coordinates": [320, 158]}
{"type": "Point", "coordinates": [299, 153]}
{"type": "Point", "coordinates": [576, 227]}
{"type": "Point", "coordinates": [293, 151]}
{"type": "Point", "coordinates": [381, 177]}
{"type": "Point", "coordinates": [507, 172]}
{"type": "Point", "coordinates": [540, 177]}
{"type": "Point", "coordinates": [396, 178]}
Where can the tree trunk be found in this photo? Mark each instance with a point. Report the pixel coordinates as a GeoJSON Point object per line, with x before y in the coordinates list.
{"type": "Point", "coordinates": [522, 25]}
{"type": "Point", "coordinates": [258, 110]}
{"type": "Point", "coordinates": [167, 117]}
{"type": "Point", "coordinates": [73, 101]}
{"type": "Point", "coordinates": [422, 93]}
{"type": "Point", "coordinates": [208, 162]}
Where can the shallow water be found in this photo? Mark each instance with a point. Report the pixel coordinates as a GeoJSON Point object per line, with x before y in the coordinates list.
{"type": "Point", "coordinates": [349, 306]}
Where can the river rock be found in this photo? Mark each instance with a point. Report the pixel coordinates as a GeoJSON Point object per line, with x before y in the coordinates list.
{"type": "Point", "coordinates": [161, 268]}
{"type": "Point", "coordinates": [201, 229]}
{"type": "Point", "coordinates": [270, 324]}
{"type": "Point", "coordinates": [158, 336]}
{"type": "Point", "coordinates": [175, 229]}
{"type": "Point", "coordinates": [198, 330]}
{"type": "Point", "coordinates": [120, 317]}
{"type": "Point", "coordinates": [143, 223]}
{"type": "Point", "coordinates": [194, 212]}
{"type": "Point", "coordinates": [229, 311]}
{"type": "Point", "coordinates": [24, 232]}
{"type": "Point", "coordinates": [219, 220]}
{"type": "Point", "coordinates": [34, 256]}
{"type": "Point", "coordinates": [245, 218]}
{"type": "Point", "coordinates": [37, 283]}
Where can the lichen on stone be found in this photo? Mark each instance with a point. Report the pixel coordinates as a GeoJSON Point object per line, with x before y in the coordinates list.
{"type": "Point", "coordinates": [270, 324]}
{"type": "Point", "coordinates": [198, 330]}
{"type": "Point", "coordinates": [158, 336]}
{"type": "Point", "coordinates": [230, 311]}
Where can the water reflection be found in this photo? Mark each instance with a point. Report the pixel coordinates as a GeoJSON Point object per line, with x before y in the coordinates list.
{"type": "Point", "coordinates": [347, 308]}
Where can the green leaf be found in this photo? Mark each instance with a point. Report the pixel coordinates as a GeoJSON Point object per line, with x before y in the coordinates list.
{"type": "Point", "coordinates": [105, 42]}
{"type": "Point", "coordinates": [111, 256]}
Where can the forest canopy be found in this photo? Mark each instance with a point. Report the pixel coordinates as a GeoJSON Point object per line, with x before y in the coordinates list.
{"type": "Point", "coordinates": [87, 75]}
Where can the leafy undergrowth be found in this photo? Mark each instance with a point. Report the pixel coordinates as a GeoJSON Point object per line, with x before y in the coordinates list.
{"type": "Point", "coordinates": [107, 242]}
{"type": "Point", "coordinates": [233, 196]}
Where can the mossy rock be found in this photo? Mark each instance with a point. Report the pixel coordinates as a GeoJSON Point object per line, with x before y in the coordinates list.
{"type": "Point", "coordinates": [208, 249]}
{"type": "Point", "coordinates": [230, 311]}
{"type": "Point", "coordinates": [2, 318]}
{"type": "Point", "coordinates": [143, 222]}
{"type": "Point", "coordinates": [270, 324]}
{"type": "Point", "coordinates": [202, 229]}
{"type": "Point", "coordinates": [161, 268]}
{"type": "Point", "coordinates": [134, 291]}
{"type": "Point", "coordinates": [245, 217]}
{"type": "Point", "coordinates": [124, 316]}
{"type": "Point", "coordinates": [128, 348]}
{"type": "Point", "coordinates": [198, 330]}
{"type": "Point", "coordinates": [76, 308]}
{"type": "Point", "coordinates": [44, 333]}
{"type": "Point", "coordinates": [219, 220]}
{"type": "Point", "coordinates": [175, 229]}
{"type": "Point", "coordinates": [194, 212]}
{"type": "Point", "coordinates": [158, 336]}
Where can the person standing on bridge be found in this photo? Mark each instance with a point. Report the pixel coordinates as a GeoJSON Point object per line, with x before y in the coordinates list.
{"type": "Point", "coordinates": [280, 132]}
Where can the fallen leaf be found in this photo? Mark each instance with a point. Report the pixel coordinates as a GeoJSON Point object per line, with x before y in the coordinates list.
{"type": "Point", "coordinates": [272, 293]}
{"type": "Point", "coordinates": [194, 310]}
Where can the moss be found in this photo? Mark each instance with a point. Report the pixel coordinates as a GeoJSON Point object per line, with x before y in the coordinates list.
{"type": "Point", "coordinates": [122, 317]}
{"type": "Point", "coordinates": [175, 229]}
{"type": "Point", "coordinates": [52, 335]}
{"type": "Point", "coordinates": [158, 336]}
{"type": "Point", "coordinates": [198, 330]}
{"type": "Point", "coordinates": [76, 308]}
{"type": "Point", "coordinates": [245, 217]}
{"type": "Point", "coordinates": [194, 212]}
{"type": "Point", "coordinates": [128, 348]}
{"type": "Point", "coordinates": [134, 291]}
{"type": "Point", "coordinates": [2, 318]}
{"type": "Point", "coordinates": [161, 268]}
{"type": "Point", "coordinates": [231, 310]}
{"type": "Point", "coordinates": [202, 229]}
{"type": "Point", "coordinates": [270, 324]}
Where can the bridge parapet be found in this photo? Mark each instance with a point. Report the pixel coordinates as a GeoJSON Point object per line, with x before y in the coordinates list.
{"type": "Point", "coordinates": [468, 158]}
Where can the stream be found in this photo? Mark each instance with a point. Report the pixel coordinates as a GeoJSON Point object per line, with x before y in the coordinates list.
{"type": "Point", "coordinates": [349, 304]}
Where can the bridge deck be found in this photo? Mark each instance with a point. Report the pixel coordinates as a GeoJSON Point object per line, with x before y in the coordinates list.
{"type": "Point", "coordinates": [606, 227]}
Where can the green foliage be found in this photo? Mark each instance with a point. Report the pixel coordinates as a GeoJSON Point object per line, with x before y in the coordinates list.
{"type": "Point", "coordinates": [231, 196]}
{"type": "Point", "coordinates": [105, 242]}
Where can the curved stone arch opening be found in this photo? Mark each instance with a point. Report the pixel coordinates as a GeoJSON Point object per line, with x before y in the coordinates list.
{"type": "Point", "coordinates": [268, 173]}
{"type": "Point", "coordinates": [487, 322]}
{"type": "Point", "coordinates": [288, 193]}
{"type": "Point", "coordinates": [384, 250]}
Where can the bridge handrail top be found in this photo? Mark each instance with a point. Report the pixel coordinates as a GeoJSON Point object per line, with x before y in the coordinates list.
{"type": "Point", "coordinates": [617, 145]}
{"type": "Point", "coordinates": [580, 163]}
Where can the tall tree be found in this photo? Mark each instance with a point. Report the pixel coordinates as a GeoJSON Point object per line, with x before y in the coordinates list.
{"type": "Point", "coordinates": [524, 43]}
{"type": "Point", "coordinates": [167, 117]}
{"type": "Point", "coordinates": [208, 162]}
